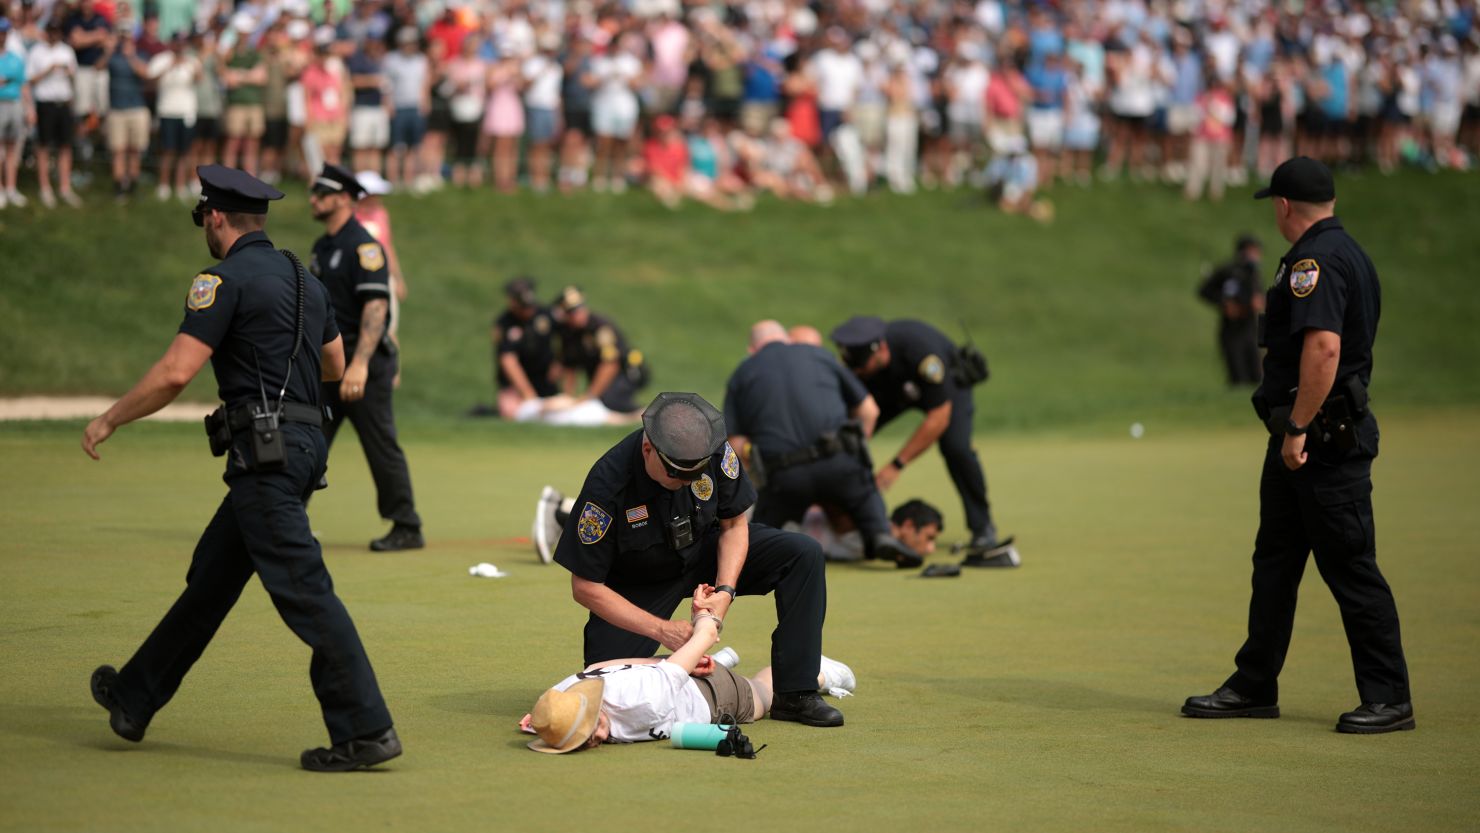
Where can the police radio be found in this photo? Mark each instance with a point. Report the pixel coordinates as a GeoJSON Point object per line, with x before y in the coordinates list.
{"type": "Point", "coordinates": [268, 451]}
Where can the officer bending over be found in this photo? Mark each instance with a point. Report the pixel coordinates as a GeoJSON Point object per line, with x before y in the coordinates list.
{"type": "Point", "coordinates": [593, 344]}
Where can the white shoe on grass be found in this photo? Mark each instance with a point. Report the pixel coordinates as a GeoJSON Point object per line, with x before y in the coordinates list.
{"type": "Point", "coordinates": [546, 530]}
{"type": "Point", "coordinates": [837, 679]}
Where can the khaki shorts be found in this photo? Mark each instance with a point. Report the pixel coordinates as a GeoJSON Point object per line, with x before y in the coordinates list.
{"type": "Point", "coordinates": [90, 91]}
{"type": "Point", "coordinates": [128, 129]}
{"type": "Point", "coordinates": [245, 121]}
{"type": "Point", "coordinates": [727, 693]}
{"type": "Point", "coordinates": [328, 134]}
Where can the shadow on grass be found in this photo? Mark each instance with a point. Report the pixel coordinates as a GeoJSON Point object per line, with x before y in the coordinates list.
{"type": "Point", "coordinates": [88, 729]}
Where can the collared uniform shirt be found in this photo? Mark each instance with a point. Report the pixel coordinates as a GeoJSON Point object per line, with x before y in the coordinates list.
{"type": "Point", "coordinates": [532, 342]}
{"type": "Point", "coordinates": [352, 265]}
{"type": "Point", "coordinates": [787, 396]}
{"type": "Point", "coordinates": [588, 347]}
{"type": "Point", "coordinates": [919, 371]}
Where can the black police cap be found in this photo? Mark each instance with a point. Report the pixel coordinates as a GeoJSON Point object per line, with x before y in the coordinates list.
{"type": "Point", "coordinates": [859, 331]}
{"type": "Point", "coordinates": [336, 180]}
{"type": "Point", "coordinates": [521, 289]}
{"type": "Point", "coordinates": [1301, 179]}
{"type": "Point", "coordinates": [1245, 241]}
{"type": "Point", "coordinates": [685, 430]}
{"type": "Point", "coordinates": [571, 298]}
{"type": "Point", "coordinates": [228, 189]}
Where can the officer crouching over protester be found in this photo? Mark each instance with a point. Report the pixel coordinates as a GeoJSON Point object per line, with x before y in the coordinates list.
{"type": "Point", "coordinates": [352, 264]}
{"type": "Point", "coordinates": [1315, 493]}
{"type": "Point", "coordinates": [664, 511]}
{"type": "Point", "coordinates": [909, 364]}
{"type": "Point", "coordinates": [269, 334]}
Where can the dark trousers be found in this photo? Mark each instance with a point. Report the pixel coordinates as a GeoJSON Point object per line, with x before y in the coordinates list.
{"type": "Point", "coordinates": [1325, 508]}
{"type": "Point", "coordinates": [841, 481]}
{"type": "Point", "coordinates": [262, 527]}
{"type": "Point", "coordinates": [786, 563]}
{"type": "Point", "coordinates": [1239, 343]}
{"type": "Point", "coordinates": [375, 423]}
{"type": "Point", "coordinates": [621, 394]}
{"type": "Point", "coordinates": [961, 461]}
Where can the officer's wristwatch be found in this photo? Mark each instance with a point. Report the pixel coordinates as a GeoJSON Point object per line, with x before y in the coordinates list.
{"type": "Point", "coordinates": [725, 588]}
{"type": "Point", "coordinates": [1293, 430]}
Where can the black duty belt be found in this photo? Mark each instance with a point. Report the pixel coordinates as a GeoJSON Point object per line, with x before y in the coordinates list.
{"type": "Point", "coordinates": [239, 419]}
{"type": "Point", "coordinates": [820, 450]}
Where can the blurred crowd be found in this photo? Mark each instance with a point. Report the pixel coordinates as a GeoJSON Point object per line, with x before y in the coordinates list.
{"type": "Point", "coordinates": [716, 103]}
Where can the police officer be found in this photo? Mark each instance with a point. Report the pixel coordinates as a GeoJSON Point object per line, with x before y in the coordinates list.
{"type": "Point", "coordinates": [664, 511]}
{"type": "Point", "coordinates": [910, 364]}
{"type": "Point", "coordinates": [352, 265]}
{"type": "Point", "coordinates": [270, 337]}
{"type": "Point", "coordinates": [1234, 289]}
{"type": "Point", "coordinates": [523, 349]}
{"type": "Point", "coordinates": [800, 417]}
{"type": "Point", "coordinates": [1315, 493]}
{"type": "Point", "coordinates": [593, 344]}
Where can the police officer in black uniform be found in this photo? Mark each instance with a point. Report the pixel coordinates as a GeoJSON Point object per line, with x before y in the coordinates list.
{"type": "Point", "coordinates": [1315, 493]}
{"type": "Point", "coordinates": [270, 337]}
{"type": "Point", "coordinates": [352, 264]}
{"type": "Point", "coordinates": [664, 511]}
{"type": "Point", "coordinates": [594, 345]}
{"type": "Point", "coordinates": [801, 422]}
{"type": "Point", "coordinates": [1234, 288]}
{"type": "Point", "coordinates": [910, 364]}
{"type": "Point", "coordinates": [523, 349]}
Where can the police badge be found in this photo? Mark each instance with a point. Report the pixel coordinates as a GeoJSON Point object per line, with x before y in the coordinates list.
{"type": "Point", "coordinates": [703, 488]}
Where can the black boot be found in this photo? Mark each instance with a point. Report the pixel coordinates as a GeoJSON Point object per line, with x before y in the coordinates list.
{"type": "Point", "coordinates": [805, 707]}
{"type": "Point", "coordinates": [103, 681]}
{"type": "Point", "coordinates": [1377, 718]}
{"type": "Point", "coordinates": [360, 753]}
{"type": "Point", "coordinates": [399, 538]}
{"type": "Point", "coordinates": [1225, 702]}
{"type": "Point", "coordinates": [888, 547]}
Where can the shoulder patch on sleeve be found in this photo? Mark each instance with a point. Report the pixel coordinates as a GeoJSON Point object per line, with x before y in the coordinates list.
{"type": "Point", "coordinates": [730, 464]}
{"type": "Point", "coordinates": [202, 292]}
{"type": "Point", "coordinates": [372, 257]}
{"type": "Point", "coordinates": [932, 369]}
{"type": "Point", "coordinates": [1303, 277]}
{"type": "Point", "coordinates": [593, 524]}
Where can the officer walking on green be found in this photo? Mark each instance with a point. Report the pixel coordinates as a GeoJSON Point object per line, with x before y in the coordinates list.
{"type": "Point", "coordinates": [1315, 493]}
{"type": "Point", "coordinates": [270, 336]}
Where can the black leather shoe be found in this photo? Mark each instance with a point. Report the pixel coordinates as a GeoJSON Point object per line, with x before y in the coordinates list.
{"type": "Point", "coordinates": [1376, 718]}
{"type": "Point", "coordinates": [1225, 702]}
{"type": "Point", "coordinates": [399, 538]}
{"type": "Point", "coordinates": [103, 681]}
{"type": "Point", "coordinates": [983, 553]}
{"type": "Point", "coordinates": [361, 753]}
{"type": "Point", "coordinates": [892, 549]}
{"type": "Point", "coordinates": [807, 708]}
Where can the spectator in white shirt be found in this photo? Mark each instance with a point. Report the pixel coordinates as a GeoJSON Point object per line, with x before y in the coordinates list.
{"type": "Point", "coordinates": [614, 109]}
{"type": "Point", "coordinates": [51, 66]}
{"type": "Point", "coordinates": [543, 76]}
{"type": "Point", "coordinates": [175, 73]}
{"type": "Point", "coordinates": [839, 77]}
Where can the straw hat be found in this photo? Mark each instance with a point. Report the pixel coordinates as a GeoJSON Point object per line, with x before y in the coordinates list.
{"type": "Point", "coordinates": [565, 720]}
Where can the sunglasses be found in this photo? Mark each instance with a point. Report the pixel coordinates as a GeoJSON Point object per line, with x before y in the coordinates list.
{"type": "Point", "coordinates": [688, 473]}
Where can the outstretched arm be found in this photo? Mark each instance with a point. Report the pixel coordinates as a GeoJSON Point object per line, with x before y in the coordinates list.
{"type": "Point", "coordinates": [159, 387]}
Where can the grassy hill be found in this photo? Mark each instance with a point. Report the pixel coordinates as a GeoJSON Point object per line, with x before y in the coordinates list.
{"type": "Point", "coordinates": [1090, 321]}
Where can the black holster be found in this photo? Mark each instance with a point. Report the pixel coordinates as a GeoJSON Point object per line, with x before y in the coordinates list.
{"type": "Point", "coordinates": [970, 366]}
{"type": "Point", "coordinates": [851, 437]}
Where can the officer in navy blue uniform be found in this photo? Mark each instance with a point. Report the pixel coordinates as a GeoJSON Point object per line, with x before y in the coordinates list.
{"type": "Point", "coordinates": [352, 264]}
{"type": "Point", "coordinates": [1315, 493]}
{"type": "Point", "coordinates": [269, 334]}
{"type": "Point", "coordinates": [664, 511]}
{"type": "Point", "coordinates": [910, 364]}
{"type": "Point", "coordinates": [801, 421]}
{"type": "Point", "coordinates": [594, 345]}
{"type": "Point", "coordinates": [523, 348]}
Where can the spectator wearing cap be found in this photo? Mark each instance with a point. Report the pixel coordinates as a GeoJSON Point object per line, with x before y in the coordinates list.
{"type": "Point", "coordinates": [128, 112]}
{"type": "Point", "coordinates": [353, 266]}
{"type": "Point", "coordinates": [663, 512]}
{"type": "Point", "coordinates": [246, 120]}
{"type": "Point", "coordinates": [409, 73]}
{"type": "Point", "coordinates": [523, 338]}
{"type": "Point", "coordinates": [15, 105]}
{"type": "Point", "coordinates": [369, 118]}
{"type": "Point", "coordinates": [50, 68]}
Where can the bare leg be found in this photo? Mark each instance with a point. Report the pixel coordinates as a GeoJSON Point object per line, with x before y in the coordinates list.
{"type": "Point", "coordinates": [763, 690]}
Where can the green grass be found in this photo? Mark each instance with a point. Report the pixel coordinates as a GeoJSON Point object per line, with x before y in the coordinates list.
{"type": "Point", "coordinates": [1089, 322]}
{"type": "Point", "coordinates": [1038, 699]}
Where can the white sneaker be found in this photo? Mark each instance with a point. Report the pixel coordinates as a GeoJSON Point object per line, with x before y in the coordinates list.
{"type": "Point", "coordinates": [727, 657]}
{"type": "Point", "coordinates": [837, 679]}
{"type": "Point", "coordinates": [16, 198]}
{"type": "Point", "coordinates": [545, 531]}
{"type": "Point", "coordinates": [162, 192]}
{"type": "Point", "coordinates": [48, 199]}
{"type": "Point", "coordinates": [71, 198]}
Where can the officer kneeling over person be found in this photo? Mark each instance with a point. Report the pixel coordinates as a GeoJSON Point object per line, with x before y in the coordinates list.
{"type": "Point", "coordinates": [664, 511]}
{"type": "Point", "coordinates": [251, 315]}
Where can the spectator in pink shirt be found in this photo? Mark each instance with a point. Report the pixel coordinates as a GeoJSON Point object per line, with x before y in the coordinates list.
{"type": "Point", "coordinates": [1207, 163]}
{"type": "Point", "coordinates": [326, 99]}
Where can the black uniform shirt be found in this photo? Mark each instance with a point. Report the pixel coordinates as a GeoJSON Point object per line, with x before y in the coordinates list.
{"type": "Point", "coordinates": [617, 533]}
{"type": "Point", "coordinates": [787, 396]}
{"type": "Point", "coordinates": [1236, 282]}
{"type": "Point", "coordinates": [532, 342]}
{"type": "Point", "coordinates": [352, 265]}
{"type": "Point", "coordinates": [586, 348]}
{"type": "Point", "coordinates": [247, 303]}
{"type": "Point", "coordinates": [919, 371]}
{"type": "Point", "coordinates": [1325, 282]}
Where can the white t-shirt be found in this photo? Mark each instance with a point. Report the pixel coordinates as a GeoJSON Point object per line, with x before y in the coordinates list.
{"type": "Point", "coordinates": [616, 74]}
{"type": "Point", "coordinates": [644, 701]}
{"type": "Point", "coordinates": [176, 80]}
{"type": "Point", "coordinates": [968, 85]}
{"type": "Point", "coordinates": [56, 87]}
{"type": "Point", "coordinates": [839, 76]}
{"type": "Point", "coordinates": [544, 76]}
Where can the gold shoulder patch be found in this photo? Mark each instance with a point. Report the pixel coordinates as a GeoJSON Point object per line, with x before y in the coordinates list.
{"type": "Point", "coordinates": [932, 369]}
{"type": "Point", "coordinates": [1303, 277]}
{"type": "Point", "coordinates": [202, 292]}
{"type": "Point", "coordinates": [372, 257]}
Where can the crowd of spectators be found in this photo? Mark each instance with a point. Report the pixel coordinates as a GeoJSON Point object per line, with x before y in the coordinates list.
{"type": "Point", "coordinates": [714, 103]}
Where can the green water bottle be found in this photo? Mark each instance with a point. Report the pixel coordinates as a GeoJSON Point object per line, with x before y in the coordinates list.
{"type": "Point", "coordinates": [698, 735]}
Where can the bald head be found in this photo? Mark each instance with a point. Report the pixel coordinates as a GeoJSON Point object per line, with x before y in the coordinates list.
{"type": "Point", "coordinates": [765, 332]}
{"type": "Point", "coordinates": [805, 334]}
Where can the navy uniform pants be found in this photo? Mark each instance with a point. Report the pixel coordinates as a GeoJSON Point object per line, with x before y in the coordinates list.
{"type": "Point", "coordinates": [840, 481]}
{"type": "Point", "coordinates": [962, 463]}
{"type": "Point", "coordinates": [1238, 340]}
{"type": "Point", "coordinates": [262, 527]}
{"type": "Point", "coordinates": [375, 423]}
{"type": "Point", "coordinates": [784, 563]}
{"type": "Point", "coordinates": [1325, 508]}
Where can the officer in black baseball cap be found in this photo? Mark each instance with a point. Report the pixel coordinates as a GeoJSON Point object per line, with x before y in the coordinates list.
{"type": "Point", "coordinates": [1301, 179]}
{"type": "Point", "coordinates": [523, 349]}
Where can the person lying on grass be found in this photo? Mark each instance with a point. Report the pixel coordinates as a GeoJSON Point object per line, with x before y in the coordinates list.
{"type": "Point", "coordinates": [632, 700]}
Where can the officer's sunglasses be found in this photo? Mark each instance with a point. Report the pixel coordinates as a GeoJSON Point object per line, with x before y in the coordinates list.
{"type": "Point", "coordinates": [198, 216]}
{"type": "Point", "coordinates": [687, 474]}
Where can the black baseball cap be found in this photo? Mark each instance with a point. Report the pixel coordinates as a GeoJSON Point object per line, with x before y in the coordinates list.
{"type": "Point", "coordinates": [686, 431]}
{"type": "Point", "coordinates": [1301, 179]}
{"type": "Point", "coordinates": [521, 289]}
